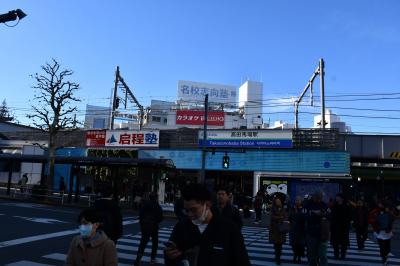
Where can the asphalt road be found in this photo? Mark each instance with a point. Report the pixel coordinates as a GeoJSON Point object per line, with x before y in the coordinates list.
{"type": "Point", "coordinates": [39, 235]}
{"type": "Point", "coordinates": [30, 231]}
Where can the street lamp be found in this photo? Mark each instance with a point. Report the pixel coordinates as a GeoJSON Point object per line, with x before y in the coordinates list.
{"type": "Point", "coordinates": [12, 15]}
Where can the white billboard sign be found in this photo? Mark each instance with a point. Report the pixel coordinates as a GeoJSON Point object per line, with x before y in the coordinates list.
{"type": "Point", "coordinates": [195, 91]}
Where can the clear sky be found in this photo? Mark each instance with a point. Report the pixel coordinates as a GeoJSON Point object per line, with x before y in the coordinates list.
{"type": "Point", "coordinates": [157, 43]}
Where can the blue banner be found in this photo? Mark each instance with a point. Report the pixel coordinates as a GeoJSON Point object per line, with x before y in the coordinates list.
{"type": "Point", "coordinates": [248, 143]}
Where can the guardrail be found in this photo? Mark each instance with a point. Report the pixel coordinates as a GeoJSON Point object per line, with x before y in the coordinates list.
{"type": "Point", "coordinates": [42, 194]}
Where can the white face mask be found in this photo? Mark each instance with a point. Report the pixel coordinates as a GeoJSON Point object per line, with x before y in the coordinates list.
{"type": "Point", "coordinates": [203, 216]}
{"type": "Point", "coordinates": [85, 230]}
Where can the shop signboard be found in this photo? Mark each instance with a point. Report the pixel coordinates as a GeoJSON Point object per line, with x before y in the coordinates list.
{"type": "Point", "coordinates": [248, 138]}
{"type": "Point", "coordinates": [95, 138]}
{"type": "Point", "coordinates": [122, 138]}
{"type": "Point", "coordinates": [132, 138]}
{"type": "Point", "coordinates": [193, 117]}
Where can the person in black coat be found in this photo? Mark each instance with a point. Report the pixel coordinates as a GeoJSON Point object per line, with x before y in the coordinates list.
{"type": "Point", "coordinates": [204, 239]}
{"type": "Point", "coordinates": [150, 216]}
{"type": "Point", "coordinates": [340, 226]}
{"type": "Point", "coordinates": [360, 223]}
{"type": "Point", "coordinates": [224, 208]}
{"type": "Point", "coordinates": [111, 216]}
{"type": "Point", "coordinates": [297, 236]}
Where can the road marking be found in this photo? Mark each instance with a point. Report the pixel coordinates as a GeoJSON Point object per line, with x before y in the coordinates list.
{"type": "Point", "coordinates": [41, 220]}
{"type": "Point", "coordinates": [56, 256]}
{"type": "Point", "coordinates": [130, 222]}
{"type": "Point", "coordinates": [63, 257]}
{"type": "Point", "coordinates": [34, 206]}
{"type": "Point", "coordinates": [130, 217]}
{"type": "Point", "coordinates": [26, 262]}
{"type": "Point", "coordinates": [25, 240]}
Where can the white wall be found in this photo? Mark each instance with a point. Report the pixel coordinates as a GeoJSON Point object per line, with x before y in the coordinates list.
{"type": "Point", "coordinates": [34, 170]}
{"type": "Point", "coordinates": [250, 99]}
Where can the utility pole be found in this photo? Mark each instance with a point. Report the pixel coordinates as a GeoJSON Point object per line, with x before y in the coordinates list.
{"type": "Point", "coordinates": [203, 152]}
{"type": "Point", "coordinates": [321, 79]}
{"type": "Point", "coordinates": [318, 71]}
{"type": "Point", "coordinates": [114, 102]}
{"type": "Point", "coordinates": [128, 96]}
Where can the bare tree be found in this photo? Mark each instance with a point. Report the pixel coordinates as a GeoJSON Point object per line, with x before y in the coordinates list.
{"type": "Point", "coordinates": [53, 110]}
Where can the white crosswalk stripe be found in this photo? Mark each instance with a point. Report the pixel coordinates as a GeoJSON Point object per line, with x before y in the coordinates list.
{"type": "Point", "coordinates": [260, 251]}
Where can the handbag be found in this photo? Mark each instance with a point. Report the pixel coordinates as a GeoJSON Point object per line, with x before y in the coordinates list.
{"type": "Point", "coordinates": [284, 227]}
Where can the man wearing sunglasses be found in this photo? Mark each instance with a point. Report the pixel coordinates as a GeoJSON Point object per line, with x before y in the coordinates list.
{"type": "Point", "coordinates": [204, 239]}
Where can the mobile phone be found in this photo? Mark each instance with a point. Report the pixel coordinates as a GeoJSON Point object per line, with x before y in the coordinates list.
{"type": "Point", "coordinates": [170, 244]}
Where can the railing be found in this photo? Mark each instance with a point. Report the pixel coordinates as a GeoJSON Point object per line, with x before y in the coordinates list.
{"type": "Point", "coordinates": [42, 194]}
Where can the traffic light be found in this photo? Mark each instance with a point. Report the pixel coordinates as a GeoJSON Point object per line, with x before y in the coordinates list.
{"type": "Point", "coordinates": [225, 162]}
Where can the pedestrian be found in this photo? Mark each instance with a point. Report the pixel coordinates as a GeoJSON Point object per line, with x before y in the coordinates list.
{"type": "Point", "coordinates": [340, 226]}
{"type": "Point", "coordinates": [277, 234]}
{"type": "Point", "coordinates": [150, 216]}
{"type": "Point", "coordinates": [110, 214]}
{"type": "Point", "coordinates": [381, 218]}
{"type": "Point", "coordinates": [91, 246]}
{"type": "Point", "coordinates": [136, 195]}
{"type": "Point", "coordinates": [317, 230]}
{"type": "Point", "coordinates": [360, 223]}
{"type": "Point", "coordinates": [297, 236]}
{"type": "Point", "coordinates": [225, 208]}
{"type": "Point", "coordinates": [22, 182]}
{"type": "Point", "coordinates": [204, 239]}
{"type": "Point", "coordinates": [178, 208]}
{"type": "Point", "coordinates": [62, 185]}
{"type": "Point", "coordinates": [258, 202]}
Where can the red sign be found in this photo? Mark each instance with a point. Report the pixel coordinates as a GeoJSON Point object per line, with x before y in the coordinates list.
{"type": "Point", "coordinates": [189, 117]}
{"type": "Point", "coordinates": [95, 138]}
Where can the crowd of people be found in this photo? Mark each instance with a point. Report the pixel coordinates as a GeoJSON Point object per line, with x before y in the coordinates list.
{"type": "Point", "coordinates": [208, 229]}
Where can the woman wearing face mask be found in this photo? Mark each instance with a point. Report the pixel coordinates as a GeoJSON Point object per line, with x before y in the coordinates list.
{"type": "Point", "coordinates": [91, 247]}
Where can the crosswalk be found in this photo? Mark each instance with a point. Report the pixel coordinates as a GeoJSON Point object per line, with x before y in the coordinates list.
{"type": "Point", "coordinates": [260, 251]}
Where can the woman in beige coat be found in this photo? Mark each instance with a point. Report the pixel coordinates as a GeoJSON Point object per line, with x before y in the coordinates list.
{"type": "Point", "coordinates": [276, 235]}
{"type": "Point", "coordinates": [92, 247]}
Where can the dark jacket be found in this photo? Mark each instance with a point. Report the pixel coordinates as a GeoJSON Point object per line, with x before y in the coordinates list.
{"type": "Point", "coordinates": [297, 234]}
{"type": "Point", "coordinates": [178, 209]}
{"type": "Point", "coordinates": [221, 244]}
{"type": "Point", "coordinates": [361, 219]}
{"type": "Point", "coordinates": [150, 215]}
{"type": "Point", "coordinates": [381, 219]}
{"type": "Point", "coordinates": [340, 224]}
{"type": "Point", "coordinates": [111, 217]}
{"type": "Point", "coordinates": [314, 212]}
{"type": "Point", "coordinates": [278, 215]}
{"type": "Point", "coordinates": [230, 212]}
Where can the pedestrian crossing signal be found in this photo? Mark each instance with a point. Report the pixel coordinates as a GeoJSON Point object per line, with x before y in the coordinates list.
{"type": "Point", "coordinates": [225, 162]}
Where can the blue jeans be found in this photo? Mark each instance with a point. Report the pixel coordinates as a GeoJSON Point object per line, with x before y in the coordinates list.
{"type": "Point", "coordinates": [316, 251]}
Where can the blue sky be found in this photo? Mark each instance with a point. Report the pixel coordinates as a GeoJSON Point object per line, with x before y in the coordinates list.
{"type": "Point", "coordinates": [157, 43]}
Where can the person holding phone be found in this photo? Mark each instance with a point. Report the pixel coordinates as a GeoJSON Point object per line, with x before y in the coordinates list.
{"type": "Point", "coordinates": [204, 239]}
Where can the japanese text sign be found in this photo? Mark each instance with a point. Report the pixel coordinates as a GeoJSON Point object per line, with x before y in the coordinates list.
{"type": "Point", "coordinates": [95, 138]}
{"type": "Point", "coordinates": [189, 117]}
{"type": "Point", "coordinates": [132, 138]}
{"type": "Point", "coordinates": [196, 91]}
